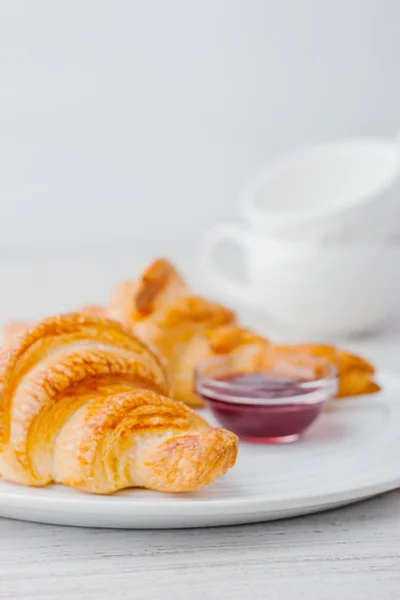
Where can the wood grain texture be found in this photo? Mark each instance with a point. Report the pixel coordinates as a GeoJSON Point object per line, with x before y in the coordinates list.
{"type": "Point", "coordinates": [347, 554]}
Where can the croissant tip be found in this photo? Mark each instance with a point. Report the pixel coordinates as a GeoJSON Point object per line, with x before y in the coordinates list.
{"type": "Point", "coordinates": [187, 463]}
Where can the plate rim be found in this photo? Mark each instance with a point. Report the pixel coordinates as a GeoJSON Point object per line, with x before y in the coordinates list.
{"type": "Point", "coordinates": [117, 507]}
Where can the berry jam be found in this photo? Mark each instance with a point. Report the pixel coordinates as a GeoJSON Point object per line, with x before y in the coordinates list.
{"type": "Point", "coordinates": [269, 418]}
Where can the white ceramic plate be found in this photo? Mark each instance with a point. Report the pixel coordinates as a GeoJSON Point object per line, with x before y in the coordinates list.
{"type": "Point", "coordinates": [350, 454]}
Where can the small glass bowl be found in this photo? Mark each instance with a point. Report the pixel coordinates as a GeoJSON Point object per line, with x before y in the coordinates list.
{"type": "Point", "coordinates": [296, 388]}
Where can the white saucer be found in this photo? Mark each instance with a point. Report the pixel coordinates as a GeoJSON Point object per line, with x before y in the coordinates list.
{"type": "Point", "coordinates": [351, 453]}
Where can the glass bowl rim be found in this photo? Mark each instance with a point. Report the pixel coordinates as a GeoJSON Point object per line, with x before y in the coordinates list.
{"type": "Point", "coordinates": [316, 391]}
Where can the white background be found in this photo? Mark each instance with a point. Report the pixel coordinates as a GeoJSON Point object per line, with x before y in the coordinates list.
{"type": "Point", "coordinates": [137, 122]}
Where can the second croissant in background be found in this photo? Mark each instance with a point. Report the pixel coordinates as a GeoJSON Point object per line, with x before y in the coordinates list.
{"type": "Point", "coordinates": [187, 328]}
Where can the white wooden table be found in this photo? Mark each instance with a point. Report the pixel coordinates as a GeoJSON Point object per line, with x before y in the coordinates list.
{"type": "Point", "coordinates": [349, 554]}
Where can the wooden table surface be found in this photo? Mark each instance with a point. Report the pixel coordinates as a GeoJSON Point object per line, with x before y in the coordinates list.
{"type": "Point", "coordinates": [347, 554]}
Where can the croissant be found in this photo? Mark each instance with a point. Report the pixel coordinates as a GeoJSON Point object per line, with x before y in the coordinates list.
{"type": "Point", "coordinates": [83, 403]}
{"type": "Point", "coordinates": [187, 329]}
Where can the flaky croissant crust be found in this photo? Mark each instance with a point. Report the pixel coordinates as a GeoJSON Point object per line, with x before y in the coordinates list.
{"type": "Point", "coordinates": [83, 402]}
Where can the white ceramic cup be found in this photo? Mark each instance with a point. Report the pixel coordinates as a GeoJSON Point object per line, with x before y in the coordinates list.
{"type": "Point", "coordinates": [307, 289]}
{"type": "Point", "coordinates": [345, 191]}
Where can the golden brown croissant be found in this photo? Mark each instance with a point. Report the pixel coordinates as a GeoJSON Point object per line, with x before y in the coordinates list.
{"type": "Point", "coordinates": [82, 402]}
{"type": "Point", "coordinates": [186, 329]}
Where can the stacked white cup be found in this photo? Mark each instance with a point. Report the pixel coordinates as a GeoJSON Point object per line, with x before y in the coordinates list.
{"type": "Point", "coordinates": [320, 242]}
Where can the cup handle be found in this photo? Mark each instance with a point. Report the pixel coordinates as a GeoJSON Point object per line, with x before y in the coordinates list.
{"type": "Point", "coordinates": [215, 237]}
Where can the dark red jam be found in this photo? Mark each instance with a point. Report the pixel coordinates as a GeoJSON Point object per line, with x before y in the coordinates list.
{"type": "Point", "coordinates": [270, 422]}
